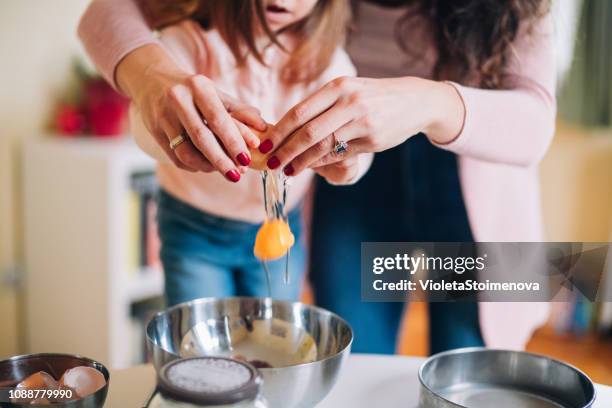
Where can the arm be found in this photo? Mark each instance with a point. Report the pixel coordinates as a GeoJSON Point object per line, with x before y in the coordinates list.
{"type": "Point", "coordinates": [513, 126]}
{"type": "Point", "coordinates": [171, 100]}
{"type": "Point", "coordinates": [110, 30]}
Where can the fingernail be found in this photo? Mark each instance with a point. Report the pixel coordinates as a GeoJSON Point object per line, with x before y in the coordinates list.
{"type": "Point", "coordinates": [266, 146]}
{"type": "Point", "coordinates": [233, 175]}
{"type": "Point", "coordinates": [243, 159]}
{"type": "Point", "coordinates": [273, 162]}
{"type": "Point", "coordinates": [288, 170]}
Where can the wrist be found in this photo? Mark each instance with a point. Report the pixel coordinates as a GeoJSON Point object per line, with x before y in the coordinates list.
{"type": "Point", "coordinates": [448, 114]}
{"type": "Point", "coordinates": [136, 69]}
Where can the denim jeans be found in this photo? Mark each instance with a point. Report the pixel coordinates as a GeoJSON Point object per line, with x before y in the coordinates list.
{"type": "Point", "coordinates": [204, 255]}
{"type": "Point", "coordinates": [411, 193]}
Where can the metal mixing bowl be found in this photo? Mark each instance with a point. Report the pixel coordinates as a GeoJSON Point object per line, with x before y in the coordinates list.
{"type": "Point", "coordinates": [308, 344]}
{"type": "Point", "coordinates": [16, 369]}
{"type": "Point", "coordinates": [480, 377]}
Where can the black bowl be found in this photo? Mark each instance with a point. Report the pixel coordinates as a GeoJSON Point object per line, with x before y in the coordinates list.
{"type": "Point", "coordinates": [16, 369]}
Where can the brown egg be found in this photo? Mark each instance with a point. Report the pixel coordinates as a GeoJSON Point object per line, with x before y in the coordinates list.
{"type": "Point", "coordinates": [258, 159]}
{"type": "Point", "coordinates": [39, 381]}
{"type": "Point", "coordinates": [40, 401]}
{"type": "Point", "coordinates": [82, 380]}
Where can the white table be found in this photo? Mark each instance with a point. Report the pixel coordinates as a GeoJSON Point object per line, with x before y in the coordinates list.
{"type": "Point", "coordinates": [366, 381]}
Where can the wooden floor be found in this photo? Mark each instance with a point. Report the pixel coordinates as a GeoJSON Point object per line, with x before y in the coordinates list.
{"type": "Point", "coordinates": [590, 354]}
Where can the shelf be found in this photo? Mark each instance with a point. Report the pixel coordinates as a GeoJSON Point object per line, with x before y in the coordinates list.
{"type": "Point", "coordinates": [77, 245]}
{"type": "Point", "coordinates": [147, 283]}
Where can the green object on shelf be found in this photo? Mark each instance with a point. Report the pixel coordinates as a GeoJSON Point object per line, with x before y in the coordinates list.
{"type": "Point", "coordinates": [587, 95]}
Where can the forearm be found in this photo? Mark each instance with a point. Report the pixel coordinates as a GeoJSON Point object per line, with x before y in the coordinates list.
{"type": "Point", "coordinates": [148, 61]}
{"type": "Point", "coordinates": [505, 126]}
{"type": "Point", "coordinates": [110, 30]}
{"type": "Point", "coordinates": [447, 113]}
{"type": "Point", "coordinates": [514, 125]}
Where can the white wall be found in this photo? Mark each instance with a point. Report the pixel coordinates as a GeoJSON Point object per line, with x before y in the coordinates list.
{"type": "Point", "coordinates": [37, 42]}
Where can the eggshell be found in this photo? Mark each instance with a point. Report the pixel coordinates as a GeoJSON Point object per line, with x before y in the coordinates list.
{"type": "Point", "coordinates": [83, 380]}
{"type": "Point", "coordinates": [39, 381]}
{"type": "Point", "coordinates": [40, 401]}
{"type": "Point", "coordinates": [258, 159]}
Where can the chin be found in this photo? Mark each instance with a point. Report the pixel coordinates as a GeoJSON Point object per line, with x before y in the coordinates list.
{"type": "Point", "coordinates": [275, 27]}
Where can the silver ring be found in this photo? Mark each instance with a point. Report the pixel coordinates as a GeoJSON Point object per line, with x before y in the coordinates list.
{"type": "Point", "coordinates": [341, 147]}
{"type": "Point", "coordinates": [174, 143]}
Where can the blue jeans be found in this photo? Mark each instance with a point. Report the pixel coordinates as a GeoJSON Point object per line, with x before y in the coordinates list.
{"type": "Point", "coordinates": [204, 255]}
{"type": "Point", "coordinates": [411, 193]}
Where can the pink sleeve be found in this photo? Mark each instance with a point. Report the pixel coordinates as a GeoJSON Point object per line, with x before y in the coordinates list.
{"type": "Point", "coordinates": [109, 30]}
{"type": "Point", "coordinates": [513, 126]}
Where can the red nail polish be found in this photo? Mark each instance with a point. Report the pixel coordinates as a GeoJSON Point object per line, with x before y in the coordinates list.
{"type": "Point", "coordinates": [288, 170]}
{"type": "Point", "coordinates": [243, 159]}
{"type": "Point", "coordinates": [266, 146]}
{"type": "Point", "coordinates": [233, 175]}
{"type": "Point", "coordinates": [273, 162]}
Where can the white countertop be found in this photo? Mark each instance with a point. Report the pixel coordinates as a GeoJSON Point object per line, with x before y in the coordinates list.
{"type": "Point", "coordinates": [366, 381]}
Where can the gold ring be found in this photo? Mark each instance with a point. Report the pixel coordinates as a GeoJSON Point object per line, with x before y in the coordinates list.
{"type": "Point", "coordinates": [174, 143]}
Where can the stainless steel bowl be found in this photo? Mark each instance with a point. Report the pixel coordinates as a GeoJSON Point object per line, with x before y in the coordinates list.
{"type": "Point", "coordinates": [16, 369]}
{"type": "Point", "coordinates": [480, 377]}
{"type": "Point", "coordinates": [306, 345]}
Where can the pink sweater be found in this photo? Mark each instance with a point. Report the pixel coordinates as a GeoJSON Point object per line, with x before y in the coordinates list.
{"type": "Point", "coordinates": [506, 134]}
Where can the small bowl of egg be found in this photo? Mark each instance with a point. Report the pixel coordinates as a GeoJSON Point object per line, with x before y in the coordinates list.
{"type": "Point", "coordinates": [57, 380]}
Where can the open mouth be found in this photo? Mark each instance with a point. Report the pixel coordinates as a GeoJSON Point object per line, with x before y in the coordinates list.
{"type": "Point", "coordinates": [273, 8]}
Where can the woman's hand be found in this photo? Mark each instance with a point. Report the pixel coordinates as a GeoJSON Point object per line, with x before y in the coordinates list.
{"type": "Point", "coordinates": [172, 101]}
{"type": "Point", "coordinates": [371, 115]}
{"type": "Point", "coordinates": [342, 172]}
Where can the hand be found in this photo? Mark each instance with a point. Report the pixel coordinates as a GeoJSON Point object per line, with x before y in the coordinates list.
{"type": "Point", "coordinates": [171, 100]}
{"type": "Point", "coordinates": [371, 115]}
{"type": "Point", "coordinates": [340, 173]}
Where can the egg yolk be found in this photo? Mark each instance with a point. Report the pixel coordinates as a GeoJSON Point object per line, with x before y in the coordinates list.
{"type": "Point", "coordinates": [273, 240]}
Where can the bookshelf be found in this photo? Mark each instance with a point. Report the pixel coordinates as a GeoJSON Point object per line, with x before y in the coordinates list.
{"type": "Point", "coordinates": [81, 279]}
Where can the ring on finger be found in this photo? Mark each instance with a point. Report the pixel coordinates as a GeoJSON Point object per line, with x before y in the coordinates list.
{"type": "Point", "coordinates": [340, 147]}
{"type": "Point", "coordinates": [174, 143]}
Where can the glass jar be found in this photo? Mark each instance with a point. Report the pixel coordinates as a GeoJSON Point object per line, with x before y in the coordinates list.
{"type": "Point", "coordinates": [208, 382]}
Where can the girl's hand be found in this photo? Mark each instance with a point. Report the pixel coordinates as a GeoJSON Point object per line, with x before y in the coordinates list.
{"type": "Point", "coordinates": [371, 115]}
{"type": "Point", "coordinates": [172, 101]}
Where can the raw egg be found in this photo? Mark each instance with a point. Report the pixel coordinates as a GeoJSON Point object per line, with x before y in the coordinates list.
{"type": "Point", "coordinates": [83, 380]}
{"type": "Point", "coordinates": [273, 240]}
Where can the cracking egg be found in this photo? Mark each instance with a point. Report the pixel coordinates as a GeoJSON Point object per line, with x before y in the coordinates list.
{"type": "Point", "coordinates": [258, 159]}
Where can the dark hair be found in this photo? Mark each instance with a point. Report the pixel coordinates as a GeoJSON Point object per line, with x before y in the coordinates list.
{"type": "Point", "coordinates": [473, 37]}
{"type": "Point", "coordinates": [238, 22]}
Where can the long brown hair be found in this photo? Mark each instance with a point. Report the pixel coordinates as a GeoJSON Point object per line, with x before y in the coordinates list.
{"type": "Point", "coordinates": [473, 37]}
{"type": "Point", "coordinates": [239, 21]}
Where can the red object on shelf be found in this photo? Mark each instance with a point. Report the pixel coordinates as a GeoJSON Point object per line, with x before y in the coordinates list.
{"type": "Point", "coordinates": [70, 120]}
{"type": "Point", "coordinates": [106, 109]}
